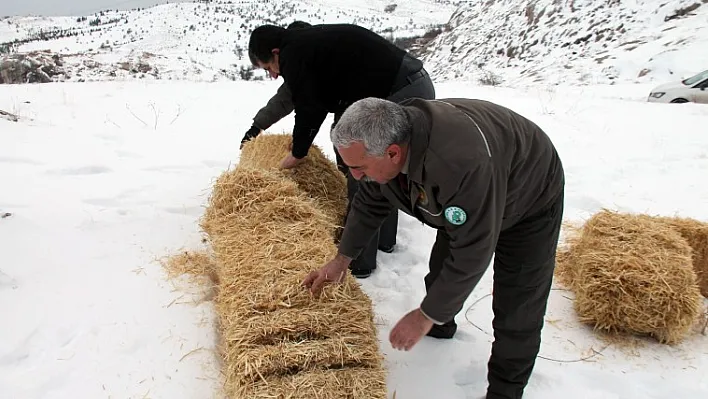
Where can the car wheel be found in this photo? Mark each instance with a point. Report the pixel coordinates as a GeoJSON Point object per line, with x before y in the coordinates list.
{"type": "Point", "coordinates": [679, 101]}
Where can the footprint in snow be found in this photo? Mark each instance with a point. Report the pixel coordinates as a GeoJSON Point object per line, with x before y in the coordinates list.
{"type": "Point", "coordinates": [184, 210]}
{"type": "Point", "coordinates": [7, 282]}
{"type": "Point", "coordinates": [83, 170]}
{"type": "Point", "coordinates": [464, 336]}
{"type": "Point", "coordinates": [585, 203]}
{"type": "Point", "coordinates": [107, 202]}
{"type": "Point", "coordinates": [127, 154]}
{"type": "Point", "coordinates": [471, 375]}
{"type": "Point", "coordinates": [13, 160]}
{"type": "Point", "coordinates": [214, 164]}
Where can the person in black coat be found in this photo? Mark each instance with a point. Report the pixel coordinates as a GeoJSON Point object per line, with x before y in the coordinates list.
{"type": "Point", "coordinates": [327, 68]}
{"type": "Point", "coordinates": [278, 107]}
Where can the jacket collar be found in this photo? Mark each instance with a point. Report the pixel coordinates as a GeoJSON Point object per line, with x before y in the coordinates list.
{"type": "Point", "coordinates": [406, 165]}
{"type": "Point", "coordinates": [420, 133]}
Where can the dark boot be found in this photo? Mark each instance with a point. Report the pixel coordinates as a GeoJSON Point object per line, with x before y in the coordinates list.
{"type": "Point", "coordinates": [387, 249]}
{"type": "Point", "coordinates": [443, 331]}
{"type": "Point", "coordinates": [361, 273]}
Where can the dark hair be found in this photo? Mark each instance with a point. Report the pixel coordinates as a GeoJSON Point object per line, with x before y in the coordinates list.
{"type": "Point", "coordinates": [263, 40]}
{"type": "Point", "coordinates": [298, 25]}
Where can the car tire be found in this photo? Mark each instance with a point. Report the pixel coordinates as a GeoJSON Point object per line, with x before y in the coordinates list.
{"type": "Point", "coordinates": [679, 101]}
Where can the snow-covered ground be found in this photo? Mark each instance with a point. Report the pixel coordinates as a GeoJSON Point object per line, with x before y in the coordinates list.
{"type": "Point", "coordinates": [103, 179]}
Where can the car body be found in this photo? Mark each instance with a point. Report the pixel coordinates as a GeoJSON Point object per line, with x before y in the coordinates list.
{"type": "Point", "coordinates": [693, 89]}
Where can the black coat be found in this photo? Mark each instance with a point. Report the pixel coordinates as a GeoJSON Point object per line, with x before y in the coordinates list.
{"type": "Point", "coordinates": [329, 67]}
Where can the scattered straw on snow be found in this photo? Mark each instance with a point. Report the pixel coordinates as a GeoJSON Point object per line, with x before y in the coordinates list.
{"type": "Point", "coordinates": [190, 263]}
{"type": "Point", "coordinates": [267, 229]}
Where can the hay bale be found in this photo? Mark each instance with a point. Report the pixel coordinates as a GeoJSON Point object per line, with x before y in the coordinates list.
{"type": "Point", "coordinates": [277, 341]}
{"type": "Point", "coordinates": [316, 175]}
{"type": "Point", "coordinates": [348, 383]}
{"type": "Point", "coordinates": [632, 273]}
{"type": "Point", "coordinates": [261, 201]}
{"type": "Point", "coordinates": [696, 234]}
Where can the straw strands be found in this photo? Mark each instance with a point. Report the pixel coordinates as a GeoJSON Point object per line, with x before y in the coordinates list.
{"type": "Point", "coordinates": [267, 229]}
{"type": "Point", "coordinates": [632, 273]}
{"type": "Point", "coordinates": [316, 175]}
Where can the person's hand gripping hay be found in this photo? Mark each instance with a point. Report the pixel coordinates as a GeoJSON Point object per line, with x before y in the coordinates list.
{"type": "Point", "coordinates": [290, 161]}
{"type": "Point", "coordinates": [333, 272]}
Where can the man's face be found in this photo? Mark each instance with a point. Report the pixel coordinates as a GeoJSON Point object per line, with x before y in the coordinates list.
{"type": "Point", "coordinates": [272, 66]}
{"type": "Point", "coordinates": [369, 168]}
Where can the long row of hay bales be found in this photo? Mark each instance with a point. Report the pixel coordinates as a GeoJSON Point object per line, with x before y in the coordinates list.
{"type": "Point", "coordinates": [267, 229]}
{"type": "Point", "coordinates": [638, 274]}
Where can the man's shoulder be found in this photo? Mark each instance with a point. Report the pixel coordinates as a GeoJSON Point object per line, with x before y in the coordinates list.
{"type": "Point", "coordinates": [442, 105]}
{"type": "Point", "coordinates": [343, 27]}
{"type": "Point", "coordinates": [451, 143]}
{"type": "Point", "coordinates": [444, 115]}
{"type": "Point", "coordinates": [314, 35]}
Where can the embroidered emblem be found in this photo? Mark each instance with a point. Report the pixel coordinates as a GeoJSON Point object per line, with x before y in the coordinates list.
{"type": "Point", "coordinates": [455, 215]}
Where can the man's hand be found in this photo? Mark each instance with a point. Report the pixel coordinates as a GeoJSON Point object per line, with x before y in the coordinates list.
{"type": "Point", "coordinates": [409, 330]}
{"type": "Point", "coordinates": [333, 271]}
{"type": "Point", "coordinates": [290, 162]}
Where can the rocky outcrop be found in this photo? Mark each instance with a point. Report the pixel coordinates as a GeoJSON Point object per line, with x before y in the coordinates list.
{"type": "Point", "coordinates": [10, 117]}
{"type": "Point", "coordinates": [34, 67]}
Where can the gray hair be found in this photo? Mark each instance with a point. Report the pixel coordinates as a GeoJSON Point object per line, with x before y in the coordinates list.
{"type": "Point", "coordinates": [375, 122]}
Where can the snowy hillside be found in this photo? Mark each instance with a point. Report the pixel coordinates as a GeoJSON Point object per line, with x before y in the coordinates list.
{"type": "Point", "coordinates": [197, 41]}
{"type": "Point", "coordinates": [577, 41]}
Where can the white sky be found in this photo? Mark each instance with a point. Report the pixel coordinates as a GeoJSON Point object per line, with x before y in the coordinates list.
{"type": "Point", "coordinates": [71, 7]}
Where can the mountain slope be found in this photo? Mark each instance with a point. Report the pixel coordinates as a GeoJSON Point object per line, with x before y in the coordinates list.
{"type": "Point", "coordinates": [194, 40]}
{"type": "Point", "coordinates": [577, 41]}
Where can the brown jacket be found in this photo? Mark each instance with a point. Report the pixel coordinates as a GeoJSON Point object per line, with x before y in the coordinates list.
{"type": "Point", "coordinates": [474, 169]}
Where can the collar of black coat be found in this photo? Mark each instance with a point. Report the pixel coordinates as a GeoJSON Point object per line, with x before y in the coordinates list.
{"type": "Point", "coordinates": [405, 164]}
{"type": "Point", "coordinates": [421, 124]}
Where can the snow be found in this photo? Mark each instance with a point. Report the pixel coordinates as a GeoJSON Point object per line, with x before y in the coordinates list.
{"type": "Point", "coordinates": [575, 42]}
{"type": "Point", "coordinates": [103, 179]}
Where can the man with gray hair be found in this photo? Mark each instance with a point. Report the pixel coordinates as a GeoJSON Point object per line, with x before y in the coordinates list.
{"type": "Point", "coordinates": [492, 184]}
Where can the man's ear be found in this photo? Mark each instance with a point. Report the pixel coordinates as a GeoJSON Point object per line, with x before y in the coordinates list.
{"type": "Point", "coordinates": [394, 153]}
